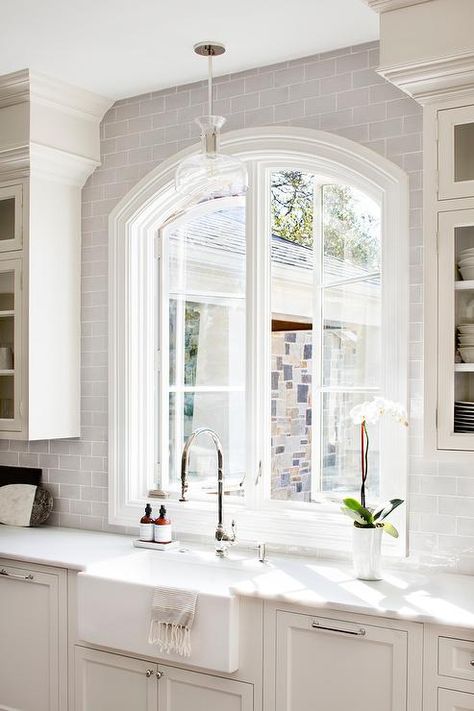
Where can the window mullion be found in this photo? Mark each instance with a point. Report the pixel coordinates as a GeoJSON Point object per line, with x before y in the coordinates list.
{"type": "Point", "coordinates": [258, 464]}
{"type": "Point", "coordinates": [162, 363]}
{"type": "Point", "coordinates": [317, 344]}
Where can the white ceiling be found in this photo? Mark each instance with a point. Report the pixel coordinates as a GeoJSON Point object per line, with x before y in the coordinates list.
{"type": "Point", "coordinates": [121, 48]}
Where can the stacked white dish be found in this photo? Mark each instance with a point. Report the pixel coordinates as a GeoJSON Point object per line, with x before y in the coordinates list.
{"type": "Point", "coordinates": [463, 416]}
{"type": "Point", "coordinates": [466, 341]}
{"type": "Point", "coordinates": [466, 263]}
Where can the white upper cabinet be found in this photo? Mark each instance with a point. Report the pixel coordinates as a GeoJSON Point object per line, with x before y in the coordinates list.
{"type": "Point", "coordinates": [455, 330]}
{"type": "Point", "coordinates": [456, 152]}
{"type": "Point", "coordinates": [11, 217]}
{"type": "Point", "coordinates": [448, 256]}
{"type": "Point", "coordinates": [49, 146]}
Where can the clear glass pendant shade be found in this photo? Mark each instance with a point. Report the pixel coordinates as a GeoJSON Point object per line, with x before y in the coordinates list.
{"type": "Point", "coordinates": [211, 174]}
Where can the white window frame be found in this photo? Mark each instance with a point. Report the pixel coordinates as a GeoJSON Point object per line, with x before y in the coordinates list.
{"type": "Point", "coordinates": [134, 263]}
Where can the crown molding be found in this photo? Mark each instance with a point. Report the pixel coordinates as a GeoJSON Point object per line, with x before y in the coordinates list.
{"type": "Point", "coordinates": [388, 5]}
{"type": "Point", "coordinates": [68, 98]}
{"type": "Point", "coordinates": [433, 79]}
{"type": "Point", "coordinates": [27, 86]}
{"type": "Point", "coordinates": [60, 166]}
{"type": "Point", "coordinates": [15, 163]}
{"type": "Point", "coordinates": [14, 88]}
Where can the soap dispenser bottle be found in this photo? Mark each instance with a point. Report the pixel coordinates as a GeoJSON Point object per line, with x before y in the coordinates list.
{"type": "Point", "coordinates": [162, 527]}
{"type": "Point", "coordinates": [146, 525]}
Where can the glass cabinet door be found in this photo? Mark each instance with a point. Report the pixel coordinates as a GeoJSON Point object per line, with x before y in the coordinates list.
{"type": "Point", "coordinates": [456, 330]}
{"type": "Point", "coordinates": [10, 361]}
{"type": "Point", "coordinates": [10, 217]}
{"type": "Point", "coordinates": [456, 152]}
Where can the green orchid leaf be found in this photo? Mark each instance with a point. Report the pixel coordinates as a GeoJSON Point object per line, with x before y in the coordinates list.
{"type": "Point", "coordinates": [353, 515]}
{"type": "Point", "coordinates": [354, 505]}
{"type": "Point", "coordinates": [386, 509]}
{"type": "Point", "coordinates": [390, 529]}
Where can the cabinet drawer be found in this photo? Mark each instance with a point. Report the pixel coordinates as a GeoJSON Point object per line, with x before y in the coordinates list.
{"type": "Point", "coordinates": [455, 700]}
{"type": "Point", "coordinates": [456, 658]}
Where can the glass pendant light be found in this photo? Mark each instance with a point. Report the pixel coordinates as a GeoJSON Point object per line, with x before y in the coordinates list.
{"type": "Point", "coordinates": [211, 174]}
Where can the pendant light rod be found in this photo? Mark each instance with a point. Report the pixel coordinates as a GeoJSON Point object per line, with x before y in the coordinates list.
{"type": "Point", "coordinates": [209, 50]}
{"type": "Point", "coordinates": [209, 84]}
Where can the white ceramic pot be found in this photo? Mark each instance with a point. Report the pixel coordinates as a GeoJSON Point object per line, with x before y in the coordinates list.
{"type": "Point", "coordinates": [366, 552]}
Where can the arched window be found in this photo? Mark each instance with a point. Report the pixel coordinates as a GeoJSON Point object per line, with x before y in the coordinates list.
{"type": "Point", "coordinates": [266, 318]}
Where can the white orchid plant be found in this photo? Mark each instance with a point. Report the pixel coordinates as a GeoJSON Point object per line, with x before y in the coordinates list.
{"type": "Point", "coordinates": [365, 516]}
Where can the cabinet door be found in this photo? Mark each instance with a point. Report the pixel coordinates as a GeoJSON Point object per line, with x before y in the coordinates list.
{"type": "Point", "coordinates": [455, 402]}
{"type": "Point", "coordinates": [181, 690]}
{"type": "Point", "coordinates": [332, 664]}
{"type": "Point", "coordinates": [111, 682]}
{"type": "Point", "coordinates": [32, 641]}
{"type": "Point", "coordinates": [456, 152]}
{"type": "Point", "coordinates": [11, 222]}
{"type": "Point", "coordinates": [11, 357]}
{"type": "Point", "coordinates": [455, 701]}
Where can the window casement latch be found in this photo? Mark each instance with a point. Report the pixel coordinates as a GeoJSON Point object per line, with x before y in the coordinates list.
{"type": "Point", "coordinates": [259, 473]}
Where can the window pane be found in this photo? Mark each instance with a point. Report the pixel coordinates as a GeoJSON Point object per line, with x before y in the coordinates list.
{"type": "Point", "coordinates": [351, 234]}
{"type": "Point", "coordinates": [223, 412]}
{"type": "Point", "coordinates": [211, 337]}
{"type": "Point", "coordinates": [351, 336]}
{"type": "Point", "coordinates": [206, 302]}
{"type": "Point", "coordinates": [292, 296]}
{"type": "Point", "coordinates": [291, 415]}
{"type": "Point", "coordinates": [341, 447]}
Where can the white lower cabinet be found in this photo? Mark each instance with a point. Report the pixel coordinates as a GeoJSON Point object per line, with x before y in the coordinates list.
{"type": "Point", "coordinates": [449, 700]}
{"type": "Point", "coordinates": [33, 639]}
{"type": "Point", "coordinates": [180, 690]}
{"type": "Point", "coordinates": [339, 664]}
{"type": "Point", "coordinates": [112, 682]}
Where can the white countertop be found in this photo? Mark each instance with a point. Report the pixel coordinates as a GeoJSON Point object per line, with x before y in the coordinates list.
{"type": "Point", "coordinates": [435, 597]}
{"type": "Point", "coordinates": [61, 547]}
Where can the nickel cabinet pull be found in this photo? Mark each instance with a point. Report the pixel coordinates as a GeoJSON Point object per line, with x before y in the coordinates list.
{"type": "Point", "coordinates": [14, 575]}
{"type": "Point", "coordinates": [355, 633]}
{"type": "Point", "coordinates": [472, 662]}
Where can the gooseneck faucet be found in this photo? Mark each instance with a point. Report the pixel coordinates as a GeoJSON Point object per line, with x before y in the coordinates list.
{"type": "Point", "coordinates": [222, 537]}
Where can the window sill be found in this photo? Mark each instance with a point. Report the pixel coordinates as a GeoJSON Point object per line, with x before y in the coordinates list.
{"type": "Point", "coordinates": [323, 530]}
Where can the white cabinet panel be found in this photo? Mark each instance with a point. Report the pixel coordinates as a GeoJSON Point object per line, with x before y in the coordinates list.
{"type": "Point", "coordinates": [32, 653]}
{"type": "Point", "coordinates": [111, 682]}
{"type": "Point", "coordinates": [326, 664]}
{"type": "Point", "coordinates": [456, 152]}
{"type": "Point", "coordinates": [456, 658]}
{"type": "Point", "coordinates": [11, 217]}
{"type": "Point", "coordinates": [182, 690]}
{"type": "Point", "coordinates": [455, 701]}
{"type": "Point", "coordinates": [12, 370]}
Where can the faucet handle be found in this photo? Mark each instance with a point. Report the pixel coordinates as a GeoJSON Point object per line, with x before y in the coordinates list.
{"type": "Point", "coordinates": [261, 548]}
{"type": "Point", "coordinates": [233, 535]}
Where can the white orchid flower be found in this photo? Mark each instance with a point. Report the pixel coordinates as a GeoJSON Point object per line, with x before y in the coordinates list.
{"type": "Point", "coordinates": [372, 410]}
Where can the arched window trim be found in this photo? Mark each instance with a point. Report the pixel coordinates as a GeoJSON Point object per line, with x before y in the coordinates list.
{"type": "Point", "coordinates": [134, 254]}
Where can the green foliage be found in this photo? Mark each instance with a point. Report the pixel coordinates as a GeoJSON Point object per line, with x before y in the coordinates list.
{"type": "Point", "coordinates": [385, 510]}
{"type": "Point", "coordinates": [350, 231]}
{"type": "Point", "coordinates": [292, 206]}
{"type": "Point", "coordinates": [364, 517]}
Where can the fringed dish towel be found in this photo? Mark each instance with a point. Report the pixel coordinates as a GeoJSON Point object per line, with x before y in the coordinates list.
{"type": "Point", "coordinates": [172, 617]}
